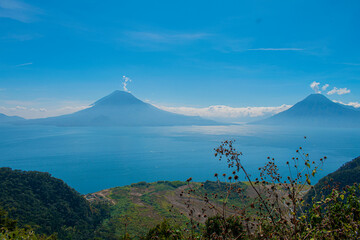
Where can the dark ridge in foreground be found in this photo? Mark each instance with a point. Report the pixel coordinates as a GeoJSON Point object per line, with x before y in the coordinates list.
{"type": "Point", "coordinates": [46, 203]}
{"type": "Point", "coordinates": [346, 175]}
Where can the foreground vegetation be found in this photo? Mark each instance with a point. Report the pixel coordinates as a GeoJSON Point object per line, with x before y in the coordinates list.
{"type": "Point", "coordinates": [346, 175]}
{"type": "Point", "coordinates": [268, 207]}
{"type": "Point", "coordinates": [48, 205]}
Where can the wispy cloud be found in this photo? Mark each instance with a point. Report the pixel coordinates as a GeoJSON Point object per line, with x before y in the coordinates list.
{"type": "Point", "coordinates": [21, 37]}
{"type": "Point", "coordinates": [222, 111]}
{"type": "Point", "coordinates": [230, 45]}
{"type": "Point", "coordinates": [164, 37]}
{"type": "Point", "coordinates": [18, 10]}
{"type": "Point", "coordinates": [338, 91]}
{"type": "Point", "coordinates": [352, 104]}
{"type": "Point", "coordinates": [18, 102]}
{"type": "Point", "coordinates": [276, 49]}
{"type": "Point", "coordinates": [160, 40]}
{"type": "Point", "coordinates": [41, 107]}
{"type": "Point", "coordinates": [24, 64]}
{"type": "Point", "coordinates": [39, 112]}
{"type": "Point", "coordinates": [352, 64]}
{"type": "Point", "coordinates": [70, 109]}
{"type": "Point", "coordinates": [18, 109]}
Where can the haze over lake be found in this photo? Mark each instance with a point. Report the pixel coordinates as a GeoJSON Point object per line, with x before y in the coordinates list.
{"type": "Point", "coordinates": [92, 159]}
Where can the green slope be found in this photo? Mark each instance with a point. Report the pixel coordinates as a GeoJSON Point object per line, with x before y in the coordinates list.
{"type": "Point", "coordinates": [50, 206]}
{"type": "Point", "coordinates": [47, 204]}
{"type": "Point", "coordinates": [348, 174]}
{"type": "Point", "coordinates": [141, 206]}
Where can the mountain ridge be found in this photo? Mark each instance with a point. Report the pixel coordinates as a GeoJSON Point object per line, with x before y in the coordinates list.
{"type": "Point", "coordinates": [346, 175]}
{"type": "Point", "coordinates": [115, 108]}
{"type": "Point", "coordinates": [122, 109]}
{"type": "Point", "coordinates": [10, 119]}
{"type": "Point", "coordinates": [117, 97]}
{"type": "Point", "coordinates": [315, 110]}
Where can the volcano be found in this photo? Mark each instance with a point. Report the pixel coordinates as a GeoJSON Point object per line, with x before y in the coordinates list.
{"type": "Point", "coordinates": [316, 110]}
{"type": "Point", "coordinates": [122, 109]}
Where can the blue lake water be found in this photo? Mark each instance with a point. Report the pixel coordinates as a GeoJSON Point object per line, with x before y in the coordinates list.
{"type": "Point", "coordinates": [92, 159]}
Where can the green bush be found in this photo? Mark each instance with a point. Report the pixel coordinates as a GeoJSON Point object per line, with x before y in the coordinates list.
{"type": "Point", "coordinates": [218, 227]}
{"type": "Point", "coordinates": [164, 231]}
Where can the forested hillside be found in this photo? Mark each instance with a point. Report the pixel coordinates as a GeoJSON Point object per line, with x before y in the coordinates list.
{"type": "Point", "coordinates": [141, 206]}
{"type": "Point", "coordinates": [181, 210]}
{"type": "Point", "coordinates": [348, 174]}
{"type": "Point", "coordinates": [47, 204]}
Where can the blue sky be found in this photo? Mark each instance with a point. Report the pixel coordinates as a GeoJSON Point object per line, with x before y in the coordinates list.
{"type": "Point", "coordinates": [60, 56]}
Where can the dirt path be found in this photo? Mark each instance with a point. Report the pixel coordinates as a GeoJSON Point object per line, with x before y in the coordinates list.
{"type": "Point", "coordinates": [102, 195]}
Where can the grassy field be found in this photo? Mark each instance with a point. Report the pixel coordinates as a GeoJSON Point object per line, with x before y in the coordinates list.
{"type": "Point", "coordinates": [138, 207]}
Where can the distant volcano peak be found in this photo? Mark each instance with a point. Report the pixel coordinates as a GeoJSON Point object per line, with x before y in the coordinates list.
{"type": "Point", "coordinates": [118, 98]}
{"type": "Point", "coordinates": [122, 109]}
{"type": "Point", "coordinates": [316, 110]}
{"type": "Point", "coordinates": [316, 97]}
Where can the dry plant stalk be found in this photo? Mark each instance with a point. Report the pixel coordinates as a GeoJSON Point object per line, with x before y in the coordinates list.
{"type": "Point", "coordinates": [276, 209]}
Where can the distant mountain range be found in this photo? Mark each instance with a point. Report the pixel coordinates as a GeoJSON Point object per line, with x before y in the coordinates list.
{"type": "Point", "coordinates": [9, 119]}
{"type": "Point", "coordinates": [316, 110]}
{"type": "Point", "coordinates": [121, 109]}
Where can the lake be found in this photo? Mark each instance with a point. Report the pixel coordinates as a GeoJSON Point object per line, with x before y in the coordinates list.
{"type": "Point", "coordinates": [92, 159]}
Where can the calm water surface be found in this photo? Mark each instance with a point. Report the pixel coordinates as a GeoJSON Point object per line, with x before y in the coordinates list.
{"type": "Point", "coordinates": [91, 159]}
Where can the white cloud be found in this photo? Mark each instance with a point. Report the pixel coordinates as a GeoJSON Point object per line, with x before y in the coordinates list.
{"type": "Point", "coordinates": [21, 107]}
{"type": "Point", "coordinates": [21, 37]}
{"type": "Point", "coordinates": [352, 64]}
{"type": "Point", "coordinates": [222, 111]}
{"type": "Point", "coordinates": [352, 104]}
{"type": "Point", "coordinates": [163, 37]}
{"type": "Point", "coordinates": [339, 91]}
{"type": "Point", "coordinates": [38, 109]}
{"type": "Point", "coordinates": [315, 86]}
{"type": "Point", "coordinates": [276, 49]}
{"type": "Point", "coordinates": [23, 64]}
{"type": "Point", "coordinates": [125, 82]}
{"type": "Point", "coordinates": [71, 109]}
{"type": "Point", "coordinates": [39, 112]}
{"type": "Point", "coordinates": [160, 41]}
{"type": "Point", "coordinates": [325, 87]}
{"type": "Point", "coordinates": [19, 103]}
{"type": "Point", "coordinates": [18, 10]}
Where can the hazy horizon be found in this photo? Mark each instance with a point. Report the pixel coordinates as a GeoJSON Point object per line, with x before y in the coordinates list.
{"type": "Point", "coordinates": [179, 119]}
{"type": "Point", "coordinates": [236, 60]}
{"type": "Point", "coordinates": [219, 113]}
